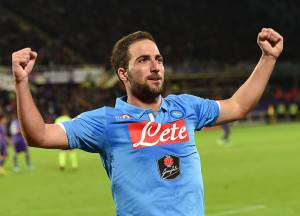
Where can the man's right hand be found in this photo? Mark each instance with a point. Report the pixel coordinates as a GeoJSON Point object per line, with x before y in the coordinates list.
{"type": "Point", "coordinates": [22, 64]}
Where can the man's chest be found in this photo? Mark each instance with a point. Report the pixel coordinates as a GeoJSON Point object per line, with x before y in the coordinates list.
{"type": "Point", "coordinates": [166, 130]}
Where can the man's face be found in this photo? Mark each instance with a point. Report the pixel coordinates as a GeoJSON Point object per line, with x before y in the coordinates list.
{"type": "Point", "coordinates": [145, 70]}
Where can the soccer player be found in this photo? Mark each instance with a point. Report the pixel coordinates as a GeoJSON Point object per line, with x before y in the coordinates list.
{"type": "Point", "coordinates": [19, 145]}
{"type": "Point", "coordinates": [62, 157]}
{"type": "Point", "coordinates": [146, 142]}
{"type": "Point", "coordinates": [224, 140]}
{"type": "Point", "coordinates": [3, 143]}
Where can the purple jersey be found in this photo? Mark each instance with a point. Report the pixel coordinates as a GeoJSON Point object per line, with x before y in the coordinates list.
{"type": "Point", "coordinates": [3, 142]}
{"type": "Point", "coordinates": [17, 139]}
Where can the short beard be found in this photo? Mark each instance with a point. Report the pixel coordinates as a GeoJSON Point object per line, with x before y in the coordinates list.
{"type": "Point", "coordinates": [144, 93]}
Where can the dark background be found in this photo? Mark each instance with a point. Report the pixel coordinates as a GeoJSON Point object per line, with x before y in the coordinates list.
{"type": "Point", "coordinates": [191, 31]}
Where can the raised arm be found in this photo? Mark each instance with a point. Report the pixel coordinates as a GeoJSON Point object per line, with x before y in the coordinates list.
{"type": "Point", "coordinates": [247, 96]}
{"type": "Point", "coordinates": [34, 129]}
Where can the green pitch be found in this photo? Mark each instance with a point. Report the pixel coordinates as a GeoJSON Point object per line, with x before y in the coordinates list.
{"type": "Point", "coordinates": [257, 175]}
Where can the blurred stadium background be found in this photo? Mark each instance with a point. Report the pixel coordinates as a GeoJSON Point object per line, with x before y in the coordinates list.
{"type": "Point", "coordinates": [209, 49]}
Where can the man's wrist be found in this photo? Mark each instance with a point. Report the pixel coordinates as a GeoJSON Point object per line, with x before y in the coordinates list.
{"type": "Point", "coordinates": [268, 57]}
{"type": "Point", "coordinates": [21, 81]}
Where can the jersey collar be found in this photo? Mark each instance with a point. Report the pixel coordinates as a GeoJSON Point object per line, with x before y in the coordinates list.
{"type": "Point", "coordinates": [135, 111]}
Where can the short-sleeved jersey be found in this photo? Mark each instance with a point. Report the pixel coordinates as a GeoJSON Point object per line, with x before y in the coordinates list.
{"type": "Point", "coordinates": [150, 158]}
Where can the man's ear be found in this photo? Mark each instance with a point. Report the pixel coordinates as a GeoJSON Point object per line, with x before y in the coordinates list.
{"type": "Point", "coordinates": [122, 73]}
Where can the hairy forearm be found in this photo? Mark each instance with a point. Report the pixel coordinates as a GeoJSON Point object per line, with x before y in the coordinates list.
{"type": "Point", "coordinates": [31, 121]}
{"type": "Point", "coordinates": [251, 91]}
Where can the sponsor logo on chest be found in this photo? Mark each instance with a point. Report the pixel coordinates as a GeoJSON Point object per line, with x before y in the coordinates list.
{"type": "Point", "coordinates": [145, 134]}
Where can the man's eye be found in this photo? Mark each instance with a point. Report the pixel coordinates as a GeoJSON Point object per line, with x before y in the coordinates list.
{"type": "Point", "coordinates": [160, 60]}
{"type": "Point", "coordinates": [142, 60]}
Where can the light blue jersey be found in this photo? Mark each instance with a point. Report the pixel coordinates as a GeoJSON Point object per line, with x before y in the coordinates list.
{"type": "Point", "coordinates": [151, 159]}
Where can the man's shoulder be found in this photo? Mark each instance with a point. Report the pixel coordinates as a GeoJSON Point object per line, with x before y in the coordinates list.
{"type": "Point", "coordinates": [187, 101]}
{"type": "Point", "coordinates": [187, 98]}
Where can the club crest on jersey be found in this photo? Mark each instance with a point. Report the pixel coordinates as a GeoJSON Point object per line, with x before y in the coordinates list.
{"type": "Point", "coordinates": [124, 116]}
{"type": "Point", "coordinates": [169, 167]}
{"type": "Point", "coordinates": [176, 114]}
{"type": "Point", "coordinates": [146, 134]}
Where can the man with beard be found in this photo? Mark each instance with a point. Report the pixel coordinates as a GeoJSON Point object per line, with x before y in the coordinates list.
{"type": "Point", "coordinates": [146, 142]}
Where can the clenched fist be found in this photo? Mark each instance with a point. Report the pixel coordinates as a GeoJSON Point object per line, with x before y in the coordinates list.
{"type": "Point", "coordinates": [22, 63]}
{"type": "Point", "coordinates": [270, 42]}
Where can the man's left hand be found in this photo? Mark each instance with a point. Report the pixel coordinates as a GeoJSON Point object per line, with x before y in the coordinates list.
{"type": "Point", "coordinates": [270, 42]}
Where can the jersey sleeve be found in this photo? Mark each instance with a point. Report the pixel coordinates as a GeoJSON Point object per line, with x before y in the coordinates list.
{"type": "Point", "coordinates": [207, 111]}
{"type": "Point", "coordinates": [86, 131]}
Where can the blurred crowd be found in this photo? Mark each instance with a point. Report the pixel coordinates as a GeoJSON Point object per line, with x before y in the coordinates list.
{"type": "Point", "coordinates": [51, 99]}
{"type": "Point", "coordinates": [284, 105]}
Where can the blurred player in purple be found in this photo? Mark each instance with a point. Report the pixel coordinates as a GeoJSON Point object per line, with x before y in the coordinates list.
{"type": "Point", "coordinates": [224, 139]}
{"type": "Point", "coordinates": [226, 133]}
{"type": "Point", "coordinates": [3, 143]}
{"type": "Point", "coordinates": [19, 145]}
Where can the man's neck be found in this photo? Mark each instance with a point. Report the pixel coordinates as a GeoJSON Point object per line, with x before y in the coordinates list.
{"type": "Point", "coordinates": [154, 105]}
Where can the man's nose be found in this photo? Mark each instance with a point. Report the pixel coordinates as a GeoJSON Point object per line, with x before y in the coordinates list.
{"type": "Point", "coordinates": [155, 68]}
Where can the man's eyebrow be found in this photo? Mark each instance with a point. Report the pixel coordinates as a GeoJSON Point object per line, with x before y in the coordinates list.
{"type": "Point", "coordinates": [148, 56]}
{"type": "Point", "coordinates": [143, 56]}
